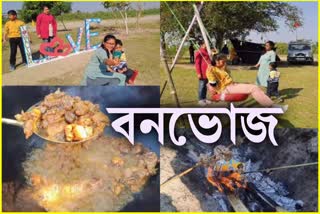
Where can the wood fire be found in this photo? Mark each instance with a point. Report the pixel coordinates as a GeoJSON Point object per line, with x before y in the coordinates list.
{"type": "Point", "coordinates": [224, 172]}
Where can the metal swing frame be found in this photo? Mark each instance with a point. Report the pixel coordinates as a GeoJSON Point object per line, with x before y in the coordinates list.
{"type": "Point", "coordinates": [169, 70]}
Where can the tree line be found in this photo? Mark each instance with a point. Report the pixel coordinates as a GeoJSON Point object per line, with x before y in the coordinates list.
{"type": "Point", "coordinates": [62, 10]}
{"type": "Point", "coordinates": [227, 20]}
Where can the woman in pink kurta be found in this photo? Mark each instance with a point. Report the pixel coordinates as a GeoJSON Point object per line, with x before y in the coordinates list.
{"type": "Point", "coordinates": [46, 25]}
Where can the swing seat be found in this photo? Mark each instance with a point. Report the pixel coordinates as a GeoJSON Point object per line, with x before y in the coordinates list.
{"type": "Point", "coordinates": [134, 76]}
{"type": "Point", "coordinates": [229, 97]}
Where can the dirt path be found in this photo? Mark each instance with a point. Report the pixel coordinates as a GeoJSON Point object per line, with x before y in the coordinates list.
{"type": "Point", "coordinates": [188, 193]}
{"type": "Point", "coordinates": [175, 196]}
{"type": "Point", "coordinates": [68, 71]}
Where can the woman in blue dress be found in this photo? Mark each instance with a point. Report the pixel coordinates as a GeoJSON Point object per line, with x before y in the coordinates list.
{"type": "Point", "coordinates": [263, 64]}
{"type": "Point", "coordinates": [97, 71]}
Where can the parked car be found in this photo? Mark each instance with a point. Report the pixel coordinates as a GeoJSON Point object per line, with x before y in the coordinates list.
{"type": "Point", "coordinates": [300, 52]}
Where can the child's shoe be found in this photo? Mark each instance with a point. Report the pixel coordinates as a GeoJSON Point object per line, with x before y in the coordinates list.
{"type": "Point", "coordinates": [208, 102]}
{"type": "Point", "coordinates": [202, 103]}
{"type": "Point", "coordinates": [12, 67]}
{"type": "Point", "coordinates": [280, 100]}
{"type": "Point", "coordinates": [283, 107]}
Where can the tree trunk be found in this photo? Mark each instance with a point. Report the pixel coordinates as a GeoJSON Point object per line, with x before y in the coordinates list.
{"type": "Point", "coordinates": [116, 18]}
{"type": "Point", "coordinates": [163, 43]}
{"type": "Point", "coordinates": [219, 36]}
{"type": "Point", "coordinates": [125, 20]}
{"type": "Point", "coordinates": [62, 21]}
{"type": "Point", "coordinates": [64, 26]}
{"type": "Point", "coordinates": [139, 13]}
{"type": "Point", "coordinates": [138, 19]}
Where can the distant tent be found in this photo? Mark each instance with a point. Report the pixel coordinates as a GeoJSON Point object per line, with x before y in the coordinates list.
{"type": "Point", "coordinates": [249, 52]}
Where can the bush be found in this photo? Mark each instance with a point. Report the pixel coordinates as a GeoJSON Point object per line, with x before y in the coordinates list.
{"type": "Point", "coordinates": [315, 48]}
{"type": "Point", "coordinates": [282, 48]}
{"type": "Point", "coordinates": [171, 51]}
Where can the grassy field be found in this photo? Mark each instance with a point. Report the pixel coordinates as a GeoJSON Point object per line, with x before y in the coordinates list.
{"type": "Point", "coordinates": [141, 46]}
{"type": "Point", "coordinates": [105, 14]}
{"type": "Point", "coordinates": [298, 87]}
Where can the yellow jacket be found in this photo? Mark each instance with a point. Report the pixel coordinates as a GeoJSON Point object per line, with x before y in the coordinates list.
{"type": "Point", "coordinates": [12, 28]}
{"type": "Point", "coordinates": [222, 78]}
{"type": "Point", "coordinates": [224, 166]}
{"type": "Point", "coordinates": [123, 57]}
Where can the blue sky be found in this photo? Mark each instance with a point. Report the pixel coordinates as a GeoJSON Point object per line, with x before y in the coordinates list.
{"type": "Point", "coordinates": [307, 31]}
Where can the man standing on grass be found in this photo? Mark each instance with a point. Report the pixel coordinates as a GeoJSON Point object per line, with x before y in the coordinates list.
{"type": "Point", "coordinates": [191, 52]}
{"type": "Point", "coordinates": [46, 26]}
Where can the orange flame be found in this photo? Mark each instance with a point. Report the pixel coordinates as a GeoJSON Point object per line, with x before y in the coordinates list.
{"type": "Point", "coordinates": [229, 180]}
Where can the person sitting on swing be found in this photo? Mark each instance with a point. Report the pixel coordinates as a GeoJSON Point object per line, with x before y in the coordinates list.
{"type": "Point", "coordinates": [221, 82]}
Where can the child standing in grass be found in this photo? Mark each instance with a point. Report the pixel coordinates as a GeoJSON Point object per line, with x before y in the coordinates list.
{"type": "Point", "coordinates": [273, 81]}
{"type": "Point", "coordinates": [202, 60]}
{"type": "Point", "coordinates": [12, 32]}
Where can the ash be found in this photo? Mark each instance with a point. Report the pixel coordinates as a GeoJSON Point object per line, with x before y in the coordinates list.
{"type": "Point", "coordinates": [277, 191]}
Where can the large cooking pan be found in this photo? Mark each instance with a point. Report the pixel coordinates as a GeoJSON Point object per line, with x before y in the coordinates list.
{"type": "Point", "coordinates": [15, 147]}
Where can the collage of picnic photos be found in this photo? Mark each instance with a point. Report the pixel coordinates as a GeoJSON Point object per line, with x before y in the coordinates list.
{"type": "Point", "coordinates": [83, 82]}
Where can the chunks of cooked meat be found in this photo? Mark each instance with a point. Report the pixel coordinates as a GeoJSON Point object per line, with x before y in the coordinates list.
{"type": "Point", "coordinates": [100, 117]}
{"type": "Point", "coordinates": [125, 147]}
{"type": "Point", "coordinates": [81, 108]}
{"type": "Point", "coordinates": [31, 120]}
{"type": "Point", "coordinates": [137, 148]}
{"type": "Point", "coordinates": [145, 165]}
{"type": "Point", "coordinates": [70, 116]}
{"type": "Point", "coordinates": [117, 161]}
{"type": "Point", "coordinates": [54, 129]}
{"type": "Point", "coordinates": [64, 118]}
{"type": "Point", "coordinates": [28, 128]}
{"type": "Point", "coordinates": [67, 102]}
{"type": "Point", "coordinates": [151, 160]}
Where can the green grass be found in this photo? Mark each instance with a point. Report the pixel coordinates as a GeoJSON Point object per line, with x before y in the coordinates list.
{"type": "Point", "coordinates": [105, 15]}
{"type": "Point", "coordinates": [298, 87]}
{"type": "Point", "coordinates": [143, 53]}
{"type": "Point", "coordinates": [99, 14]}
